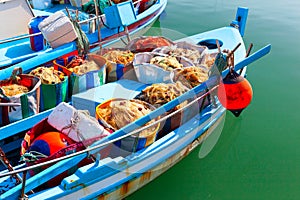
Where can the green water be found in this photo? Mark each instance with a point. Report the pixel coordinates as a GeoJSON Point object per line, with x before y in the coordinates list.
{"type": "Point", "coordinates": [258, 154]}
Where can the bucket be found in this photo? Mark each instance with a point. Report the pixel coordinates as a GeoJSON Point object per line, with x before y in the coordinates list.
{"type": "Point", "coordinates": [119, 64]}
{"type": "Point", "coordinates": [19, 106]}
{"type": "Point", "coordinates": [88, 80]}
{"type": "Point", "coordinates": [153, 73]}
{"type": "Point", "coordinates": [54, 94]}
{"type": "Point", "coordinates": [54, 87]}
{"type": "Point", "coordinates": [134, 142]}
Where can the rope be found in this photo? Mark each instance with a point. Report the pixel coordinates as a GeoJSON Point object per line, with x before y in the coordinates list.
{"type": "Point", "coordinates": [219, 65]}
{"type": "Point", "coordinates": [83, 44]}
{"type": "Point", "coordinates": [32, 156]}
{"type": "Point", "coordinates": [73, 124]}
{"type": "Point", "coordinates": [103, 22]}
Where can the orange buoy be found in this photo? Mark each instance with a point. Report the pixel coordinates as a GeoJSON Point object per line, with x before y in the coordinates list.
{"type": "Point", "coordinates": [53, 145]}
{"type": "Point", "coordinates": [49, 143]}
{"type": "Point", "coordinates": [235, 93]}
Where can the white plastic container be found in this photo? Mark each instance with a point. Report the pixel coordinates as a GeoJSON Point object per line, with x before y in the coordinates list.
{"type": "Point", "coordinates": [58, 29]}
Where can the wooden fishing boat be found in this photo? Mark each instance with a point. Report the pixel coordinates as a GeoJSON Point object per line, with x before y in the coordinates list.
{"type": "Point", "coordinates": [16, 44]}
{"type": "Point", "coordinates": [114, 172]}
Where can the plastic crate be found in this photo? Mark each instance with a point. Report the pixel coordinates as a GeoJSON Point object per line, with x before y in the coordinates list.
{"type": "Point", "coordinates": [122, 14]}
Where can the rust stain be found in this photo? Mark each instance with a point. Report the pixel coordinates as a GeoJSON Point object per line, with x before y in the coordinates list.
{"type": "Point", "coordinates": [102, 196]}
{"type": "Point", "coordinates": [128, 187]}
{"type": "Point", "coordinates": [108, 195]}
{"type": "Point", "coordinates": [124, 189]}
{"type": "Point", "coordinates": [145, 177]}
{"type": "Point", "coordinates": [187, 150]}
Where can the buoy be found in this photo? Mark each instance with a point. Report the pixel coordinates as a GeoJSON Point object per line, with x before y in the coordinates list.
{"type": "Point", "coordinates": [235, 92]}
{"type": "Point", "coordinates": [54, 145]}
{"type": "Point", "coordinates": [49, 143]}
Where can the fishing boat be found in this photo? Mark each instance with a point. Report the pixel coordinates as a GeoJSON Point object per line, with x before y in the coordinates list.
{"type": "Point", "coordinates": [115, 166]}
{"type": "Point", "coordinates": [22, 39]}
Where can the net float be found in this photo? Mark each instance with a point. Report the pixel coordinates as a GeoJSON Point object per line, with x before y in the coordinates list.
{"type": "Point", "coordinates": [235, 92]}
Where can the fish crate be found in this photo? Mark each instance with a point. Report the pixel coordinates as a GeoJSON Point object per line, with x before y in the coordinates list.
{"type": "Point", "coordinates": [91, 98]}
{"type": "Point", "coordinates": [122, 14]}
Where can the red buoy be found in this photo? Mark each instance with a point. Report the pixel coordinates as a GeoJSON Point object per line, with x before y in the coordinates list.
{"type": "Point", "coordinates": [50, 142]}
{"type": "Point", "coordinates": [235, 93]}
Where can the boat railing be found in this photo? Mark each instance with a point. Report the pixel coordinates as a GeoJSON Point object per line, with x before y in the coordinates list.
{"type": "Point", "coordinates": [97, 146]}
{"type": "Point", "coordinates": [39, 33]}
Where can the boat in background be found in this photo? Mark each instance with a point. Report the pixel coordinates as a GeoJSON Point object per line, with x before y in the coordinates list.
{"type": "Point", "coordinates": [112, 172]}
{"type": "Point", "coordinates": [16, 44]}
